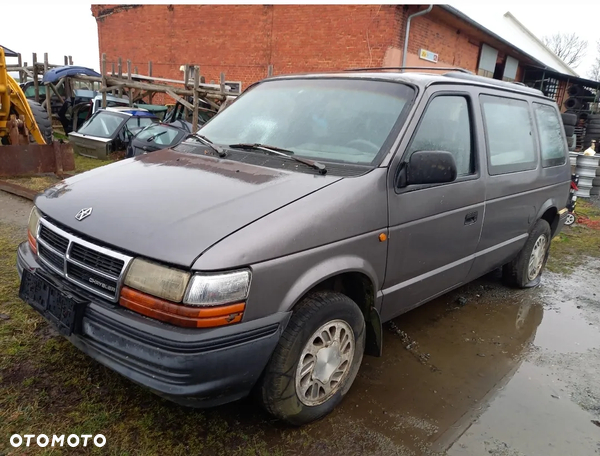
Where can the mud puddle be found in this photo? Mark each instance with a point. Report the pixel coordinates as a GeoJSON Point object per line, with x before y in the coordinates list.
{"type": "Point", "coordinates": [482, 370]}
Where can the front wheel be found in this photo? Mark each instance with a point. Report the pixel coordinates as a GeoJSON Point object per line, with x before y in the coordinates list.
{"type": "Point", "coordinates": [317, 359]}
{"type": "Point", "coordinates": [526, 269]}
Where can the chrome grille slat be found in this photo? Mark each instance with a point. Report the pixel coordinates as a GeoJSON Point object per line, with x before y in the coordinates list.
{"type": "Point", "coordinates": [53, 240]}
{"type": "Point", "coordinates": [56, 260]}
{"type": "Point", "coordinates": [94, 268]}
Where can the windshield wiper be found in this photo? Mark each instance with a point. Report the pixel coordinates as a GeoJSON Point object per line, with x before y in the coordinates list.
{"type": "Point", "coordinates": [282, 153]}
{"type": "Point", "coordinates": [153, 137]}
{"type": "Point", "coordinates": [203, 139]}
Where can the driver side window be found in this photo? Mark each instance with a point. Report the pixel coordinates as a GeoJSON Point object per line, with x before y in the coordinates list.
{"type": "Point", "coordinates": [446, 125]}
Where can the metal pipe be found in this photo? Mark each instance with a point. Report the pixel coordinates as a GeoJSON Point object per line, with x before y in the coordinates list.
{"type": "Point", "coordinates": [418, 13]}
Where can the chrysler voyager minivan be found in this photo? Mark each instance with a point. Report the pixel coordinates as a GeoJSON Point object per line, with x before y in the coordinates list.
{"type": "Point", "coordinates": [264, 253]}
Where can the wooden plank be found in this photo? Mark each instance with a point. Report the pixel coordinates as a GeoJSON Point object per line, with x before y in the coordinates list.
{"type": "Point", "coordinates": [178, 98]}
{"type": "Point", "coordinates": [70, 60]}
{"type": "Point", "coordinates": [129, 94]}
{"type": "Point", "coordinates": [55, 90]}
{"type": "Point", "coordinates": [46, 62]}
{"type": "Point", "coordinates": [120, 74]}
{"type": "Point", "coordinates": [150, 94]}
{"type": "Point", "coordinates": [222, 82]}
{"type": "Point", "coordinates": [66, 60]}
{"type": "Point", "coordinates": [196, 99]}
{"type": "Point", "coordinates": [21, 75]}
{"type": "Point", "coordinates": [104, 83]}
{"type": "Point", "coordinates": [270, 71]}
{"type": "Point", "coordinates": [35, 79]}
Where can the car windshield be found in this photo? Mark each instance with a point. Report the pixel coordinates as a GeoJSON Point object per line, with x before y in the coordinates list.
{"type": "Point", "coordinates": [345, 120]}
{"type": "Point", "coordinates": [161, 135]}
{"type": "Point", "coordinates": [103, 124]}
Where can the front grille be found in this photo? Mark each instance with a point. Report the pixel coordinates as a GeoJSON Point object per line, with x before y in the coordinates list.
{"type": "Point", "coordinates": [90, 279]}
{"type": "Point", "coordinates": [92, 267]}
{"type": "Point", "coordinates": [55, 260]}
{"type": "Point", "coordinates": [54, 240]}
{"type": "Point", "coordinates": [96, 260]}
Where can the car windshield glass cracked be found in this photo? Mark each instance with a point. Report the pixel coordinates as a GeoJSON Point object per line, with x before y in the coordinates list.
{"type": "Point", "coordinates": [325, 119]}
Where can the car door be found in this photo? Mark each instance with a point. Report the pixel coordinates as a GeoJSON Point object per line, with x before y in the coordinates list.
{"type": "Point", "coordinates": [434, 229]}
{"type": "Point", "coordinates": [513, 193]}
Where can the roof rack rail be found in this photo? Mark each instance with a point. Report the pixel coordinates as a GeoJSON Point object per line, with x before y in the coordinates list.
{"type": "Point", "coordinates": [497, 82]}
{"type": "Point", "coordinates": [462, 70]}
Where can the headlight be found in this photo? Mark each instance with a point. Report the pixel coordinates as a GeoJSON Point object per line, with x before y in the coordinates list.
{"type": "Point", "coordinates": [32, 228]}
{"type": "Point", "coordinates": [154, 279]}
{"type": "Point", "coordinates": [217, 289]}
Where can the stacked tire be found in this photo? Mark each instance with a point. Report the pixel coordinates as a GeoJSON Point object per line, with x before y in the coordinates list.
{"type": "Point", "coordinates": [592, 131]}
{"type": "Point", "coordinates": [569, 120]}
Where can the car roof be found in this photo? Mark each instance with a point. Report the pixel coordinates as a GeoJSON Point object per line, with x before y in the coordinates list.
{"type": "Point", "coordinates": [422, 80]}
{"type": "Point", "coordinates": [131, 111]}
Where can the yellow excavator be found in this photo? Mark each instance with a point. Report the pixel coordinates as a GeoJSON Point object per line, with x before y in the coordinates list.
{"type": "Point", "coordinates": [22, 121]}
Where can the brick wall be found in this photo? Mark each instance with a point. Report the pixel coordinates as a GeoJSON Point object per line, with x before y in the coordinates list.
{"type": "Point", "coordinates": [243, 41]}
{"type": "Point", "coordinates": [453, 46]}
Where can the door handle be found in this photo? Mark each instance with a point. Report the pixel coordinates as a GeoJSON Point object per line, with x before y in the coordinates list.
{"type": "Point", "coordinates": [471, 218]}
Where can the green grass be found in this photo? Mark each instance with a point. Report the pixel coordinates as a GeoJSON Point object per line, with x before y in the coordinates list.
{"type": "Point", "coordinates": [571, 247]}
{"type": "Point", "coordinates": [83, 164]}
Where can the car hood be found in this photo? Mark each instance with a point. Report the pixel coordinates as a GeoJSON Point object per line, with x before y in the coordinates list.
{"type": "Point", "coordinates": [172, 206]}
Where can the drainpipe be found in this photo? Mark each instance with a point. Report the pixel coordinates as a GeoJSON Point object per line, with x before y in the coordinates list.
{"type": "Point", "coordinates": [418, 13]}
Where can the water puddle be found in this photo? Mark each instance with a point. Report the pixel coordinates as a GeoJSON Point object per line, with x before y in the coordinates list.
{"type": "Point", "coordinates": [478, 371]}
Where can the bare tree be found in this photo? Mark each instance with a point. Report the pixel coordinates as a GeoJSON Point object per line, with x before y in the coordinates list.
{"type": "Point", "coordinates": [569, 47]}
{"type": "Point", "coordinates": [594, 72]}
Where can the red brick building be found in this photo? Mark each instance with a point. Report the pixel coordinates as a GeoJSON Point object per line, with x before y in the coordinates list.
{"type": "Point", "coordinates": [243, 41]}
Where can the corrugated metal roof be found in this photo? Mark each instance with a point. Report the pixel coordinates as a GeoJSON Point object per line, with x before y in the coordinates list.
{"type": "Point", "coordinates": [510, 30]}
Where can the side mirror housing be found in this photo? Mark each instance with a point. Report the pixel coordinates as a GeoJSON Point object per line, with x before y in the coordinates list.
{"type": "Point", "coordinates": [428, 167]}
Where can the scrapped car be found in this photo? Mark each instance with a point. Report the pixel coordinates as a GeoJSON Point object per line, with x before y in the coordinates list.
{"type": "Point", "coordinates": [264, 252]}
{"type": "Point", "coordinates": [158, 136]}
{"type": "Point", "coordinates": [109, 130]}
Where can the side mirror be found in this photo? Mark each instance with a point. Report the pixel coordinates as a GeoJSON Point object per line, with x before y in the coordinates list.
{"type": "Point", "coordinates": [428, 167]}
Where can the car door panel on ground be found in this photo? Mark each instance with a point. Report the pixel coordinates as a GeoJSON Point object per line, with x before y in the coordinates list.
{"type": "Point", "coordinates": [434, 230]}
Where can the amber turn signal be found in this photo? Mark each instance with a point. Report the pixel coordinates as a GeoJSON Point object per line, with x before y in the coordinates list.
{"type": "Point", "coordinates": [32, 242]}
{"type": "Point", "coordinates": [179, 314]}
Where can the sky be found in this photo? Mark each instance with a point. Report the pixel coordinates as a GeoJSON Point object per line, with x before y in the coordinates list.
{"type": "Point", "coordinates": [72, 29]}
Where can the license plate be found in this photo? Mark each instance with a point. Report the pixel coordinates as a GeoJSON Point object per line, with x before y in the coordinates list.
{"type": "Point", "coordinates": [61, 310]}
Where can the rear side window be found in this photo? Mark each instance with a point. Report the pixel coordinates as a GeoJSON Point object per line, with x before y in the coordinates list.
{"type": "Point", "coordinates": [554, 152]}
{"type": "Point", "coordinates": [509, 133]}
{"type": "Point", "coordinates": [446, 126]}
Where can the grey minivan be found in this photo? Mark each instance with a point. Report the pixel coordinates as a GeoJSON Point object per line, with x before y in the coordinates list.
{"type": "Point", "coordinates": [264, 253]}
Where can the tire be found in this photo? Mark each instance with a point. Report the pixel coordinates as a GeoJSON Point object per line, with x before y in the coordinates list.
{"type": "Point", "coordinates": [593, 120]}
{"type": "Point", "coordinates": [593, 131]}
{"type": "Point", "coordinates": [517, 272]}
{"type": "Point", "coordinates": [572, 103]}
{"type": "Point", "coordinates": [278, 388]}
{"type": "Point", "coordinates": [569, 118]}
{"type": "Point", "coordinates": [42, 120]}
{"type": "Point", "coordinates": [574, 90]}
{"type": "Point", "coordinates": [569, 130]}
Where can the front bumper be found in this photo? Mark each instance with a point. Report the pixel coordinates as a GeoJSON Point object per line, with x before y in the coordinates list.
{"type": "Point", "coordinates": [193, 367]}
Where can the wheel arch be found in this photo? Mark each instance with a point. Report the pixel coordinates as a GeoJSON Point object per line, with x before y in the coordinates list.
{"type": "Point", "coordinates": [549, 213]}
{"type": "Point", "coordinates": [351, 276]}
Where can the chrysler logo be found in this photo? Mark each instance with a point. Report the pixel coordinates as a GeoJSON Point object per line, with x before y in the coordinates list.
{"type": "Point", "coordinates": [83, 213]}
